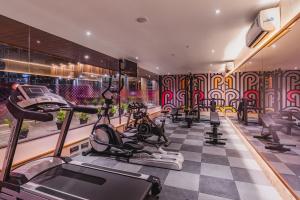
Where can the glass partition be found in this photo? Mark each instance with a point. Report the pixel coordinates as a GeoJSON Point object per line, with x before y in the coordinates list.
{"type": "Point", "coordinates": [10, 74]}
{"type": "Point", "coordinates": [152, 92]}
{"type": "Point", "coordinates": [78, 91]}
{"type": "Point", "coordinates": [24, 60]}
{"type": "Point", "coordinates": [31, 56]}
{"type": "Point", "coordinates": [140, 89]}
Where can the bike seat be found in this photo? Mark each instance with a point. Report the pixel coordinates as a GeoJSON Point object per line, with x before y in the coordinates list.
{"type": "Point", "coordinates": [133, 145]}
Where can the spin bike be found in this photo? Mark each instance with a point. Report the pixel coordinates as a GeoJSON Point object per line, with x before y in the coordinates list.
{"type": "Point", "coordinates": [145, 128]}
{"type": "Point", "coordinates": [105, 141]}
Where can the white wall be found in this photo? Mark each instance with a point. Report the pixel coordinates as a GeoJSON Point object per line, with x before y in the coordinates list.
{"type": "Point", "coordinates": [288, 9]}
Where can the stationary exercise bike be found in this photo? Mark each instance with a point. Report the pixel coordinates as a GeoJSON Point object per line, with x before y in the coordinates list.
{"type": "Point", "coordinates": [106, 141]}
{"type": "Point", "coordinates": [145, 128]}
{"type": "Point", "coordinates": [132, 112]}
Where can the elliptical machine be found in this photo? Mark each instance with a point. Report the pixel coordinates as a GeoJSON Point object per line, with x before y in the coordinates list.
{"type": "Point", "coordinates": [105, 141]}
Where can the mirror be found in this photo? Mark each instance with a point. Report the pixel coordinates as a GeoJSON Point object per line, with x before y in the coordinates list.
{"type": "Point", "coordinates": [273, 83]}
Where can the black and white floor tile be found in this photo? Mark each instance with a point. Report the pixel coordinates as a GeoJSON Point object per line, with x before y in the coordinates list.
{"type": "Point", "coordinates": [286, 163]}
{"type": "Point", "coordinates": [209, 172]}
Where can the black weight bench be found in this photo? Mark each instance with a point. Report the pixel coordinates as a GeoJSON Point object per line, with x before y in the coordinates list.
{"type": "Point", "coordinates": [214, 137]}
{"type": "Point", "coordinates": [272, 136]}
{"type": "Point", "coordinates": [189, 120]}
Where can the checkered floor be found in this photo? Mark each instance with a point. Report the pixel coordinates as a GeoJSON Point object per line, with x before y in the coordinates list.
{"type": "Point", "coordinates": [287, 163]}
{"type": "Point", "coordinates": [209, 172]}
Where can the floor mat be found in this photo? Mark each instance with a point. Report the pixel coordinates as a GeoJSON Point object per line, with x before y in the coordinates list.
{"type": "Point", "coordinates": [209, 172]}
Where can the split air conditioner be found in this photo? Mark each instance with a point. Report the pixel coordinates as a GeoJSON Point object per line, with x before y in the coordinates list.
{"type": "Point", "coordinates": [265, 22]}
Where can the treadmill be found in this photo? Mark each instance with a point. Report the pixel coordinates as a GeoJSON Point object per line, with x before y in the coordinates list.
{"type": "Point", "coordinates": [57, 177]}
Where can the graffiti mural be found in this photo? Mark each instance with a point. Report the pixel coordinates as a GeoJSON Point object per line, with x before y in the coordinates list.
{"type": "Point", "coordinates": [291, 90]}
{"type": "Point", "coordinates": [233, 88]}
{"type": "Point", "coordinates": [205, 86]}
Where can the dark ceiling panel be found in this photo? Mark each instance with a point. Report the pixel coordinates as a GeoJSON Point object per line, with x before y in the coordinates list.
{"type": "Point", "coordinates": [17, 34]}
{"type": "Point", "coordinates": [147, 74]}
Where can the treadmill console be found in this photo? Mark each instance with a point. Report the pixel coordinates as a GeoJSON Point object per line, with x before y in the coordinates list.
{"type": "Point", "coordinates": [33, 91]}
{"type": "Point", "coordinates": [39, 97]}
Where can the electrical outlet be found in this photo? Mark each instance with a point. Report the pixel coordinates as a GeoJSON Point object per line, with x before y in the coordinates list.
{"type": "Point", "coordinates": [84, 145]}
{"type": "Point", "coordinates": [74, 149]}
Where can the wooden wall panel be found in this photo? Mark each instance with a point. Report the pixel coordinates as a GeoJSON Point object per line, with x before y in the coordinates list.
{"type": "Point", "coordinates": [21, 35]}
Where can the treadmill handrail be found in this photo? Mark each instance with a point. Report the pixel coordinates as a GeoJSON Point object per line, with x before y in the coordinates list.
{"type": "Point", "coordinates": [20, 113]}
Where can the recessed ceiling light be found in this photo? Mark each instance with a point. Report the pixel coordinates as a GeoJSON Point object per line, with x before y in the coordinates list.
{"type": "Point", "coordinates": [86, 57]}
{"type": "Point", "coordinates": [157, 68]}
{"type": "Point", "coordinates": [88, 33]}
{"type": "Point", "coordinates": [273, 46]}
{"type": "Point", "coordinates": [38, 42]}
{"type": "Point", "coordinates": [213, 51]}
{"type": "Point", "coordinates": [295, 67]}
{"type": "Point", "coordinates": [141, 19]}
{"type": "Point", "coordinates": [168, 73]}
{"type": "Point", "coordinates": [136, 58]}
{"type": "Point", "coordinates": [218, 11]}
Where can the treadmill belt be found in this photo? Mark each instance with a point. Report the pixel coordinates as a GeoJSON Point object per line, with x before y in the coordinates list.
{"type": "Point", "coordinates": [114, 170]}
{"type": "Point", "coordinates": [57, 194]}
{"type": "Point", "coordinates": [91, 184]}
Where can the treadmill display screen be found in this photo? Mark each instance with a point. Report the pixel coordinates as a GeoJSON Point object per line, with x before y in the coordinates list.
{"type": "Point", "coordinates": [35, 91]}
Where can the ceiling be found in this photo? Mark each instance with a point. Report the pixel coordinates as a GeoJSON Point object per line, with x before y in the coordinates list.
{"type": "Point", "coordinates": [282, 54]}
{"type": "Point", "coordinates": [178, 37]}
{"type": "Point", "coordinates": [52, 50]}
